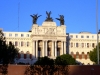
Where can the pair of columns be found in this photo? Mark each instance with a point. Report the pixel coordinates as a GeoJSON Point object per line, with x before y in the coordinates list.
{"type": "Point", "coordinates": [45, 48]}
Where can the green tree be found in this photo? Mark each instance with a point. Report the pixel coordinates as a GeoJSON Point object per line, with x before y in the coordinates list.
{"type": "Point", "coordinates": [93, 54]}
{"type": "Point", "coordinates": [65, 59]}
{"type": "Point", "coordinates": [44, 61]}
{"type": "Point", "coordinates": [7, 52]}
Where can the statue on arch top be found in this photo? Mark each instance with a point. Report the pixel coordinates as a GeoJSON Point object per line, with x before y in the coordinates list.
{"type": "Point", "coordinates": [48, 18]}
{"type": "Point", "coordinates": [61, 19]}
{"type": "Point", "coordinates": [35, 17]}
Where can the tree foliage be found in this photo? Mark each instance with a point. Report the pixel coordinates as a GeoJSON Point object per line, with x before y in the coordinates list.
{"type": "Point", "coordinates": [93, 54]}
{"type": "Point", "coordinates": [46, 70]}
{"type": "Point", "coordinates": [65, 59]}
{"type": "Point", "coordinates": [7, 52]}
{"type": "Point", "coordinates": [44, 61]}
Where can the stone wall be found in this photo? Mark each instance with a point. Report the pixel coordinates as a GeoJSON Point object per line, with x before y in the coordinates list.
{"type": "Point", "coordinates": [73, 70]}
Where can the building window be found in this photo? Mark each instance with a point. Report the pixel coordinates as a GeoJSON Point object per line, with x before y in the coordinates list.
{"type": "Point", "coordinates": [27, 44]}
{"type": "Point", "coordinates": [71, 44]}
{"type": "Point", "coordinates": [87, 36]}
{"type": "Point", "coordinates": [27, 54]}
{"type": "Point", "coordinates": [71, 36]}
{"type": "Point", "coordinates": [92, 36]}
{"type": "Point", "coordinates": [22, 43]}
{"type": "Point", "coordinates": [87, 55]}
{"type": "Point", "coordinates": [76, 44]}
{"type": "Point", "coordinates": [10, 34]}
{"type": "Point", "coordinates": [22, 54]}
{"type": "Point", "coordinates": [77, 55]}
{"type": "Point", "coordinates": [16, 43]}
{"type": "Point", "coordinates": [93, 45]}
{"type": "Point", "coordinates": [27, 35]}
{"type": "Point", "coordinates": [82, 45]}
{"type": "Point", "coordinates": [72, 54]}
{"type": "Point", "coordinates": [76, 36]}
{"type": "Point", "coordinates": [87, 45]}
{"type": "Point", "coordinates": [22, 35]}
{"type": "Point", "coordinates": [83, 55]}
{"type": "Point", "coordinates": [16, 35]}
{"type": "Point", "coordinates": [82, 36]}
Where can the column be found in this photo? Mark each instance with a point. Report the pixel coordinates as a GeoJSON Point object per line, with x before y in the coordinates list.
{"type": "Point", "coordinates": [52, 52]}
{"type": "Point", "coordinates": [46, 48]}
{"type": "Point", "coordinates": [43, 50]}
{"type": "Point", "coordinates": [64, 47]}
{"type": "Point", "coordinates": [36, 48]}
{"type": "Point", "coordinates": [55, 48]}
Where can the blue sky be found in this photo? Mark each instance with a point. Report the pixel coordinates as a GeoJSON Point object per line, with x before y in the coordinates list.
{"type": "Point", "coordinates": [79, 15]}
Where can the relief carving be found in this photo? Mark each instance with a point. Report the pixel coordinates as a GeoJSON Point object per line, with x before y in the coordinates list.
{"type": "Point", "coordinates": [50, 31]}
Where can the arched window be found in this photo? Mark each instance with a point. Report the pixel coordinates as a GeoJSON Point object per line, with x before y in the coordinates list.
{"type": "Point", "coordinates": [83, 55]}
{"type": "Point", "coordinates": [16, 43]}
{"type": "Point", "coordinates": [22, 54]}
{"type": "Point", "coordinates": [27, 44]}
{"type": "Point", "coordinates": [77, 55]}
{"type": "Point", "coordinates": [93, 45]}
{"type": "Point", "coordinates": [71, 44]}
{"type": "Point", "coordinates": [27, 54]}
{"type": "Point", "coordinates": [22, 43]}
{"type": "Point", "coordinates": [77, 45]}
{"type": "Point", "coordinates": [87, 45]}
{"type": "Point", "coordinates": [72, 54]}
{"type": "Point", "coordinates": [82, 45]}
{"type": "Point", "coordinates": [87, 55]}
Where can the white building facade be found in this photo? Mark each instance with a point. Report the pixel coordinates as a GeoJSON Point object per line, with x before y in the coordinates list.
{"type": "Point", "coordinates": [80, 45]}
{"type": "Point", "coordinates": [51, 40]}
{"type": "Point", "coordinates": [46, 40]}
